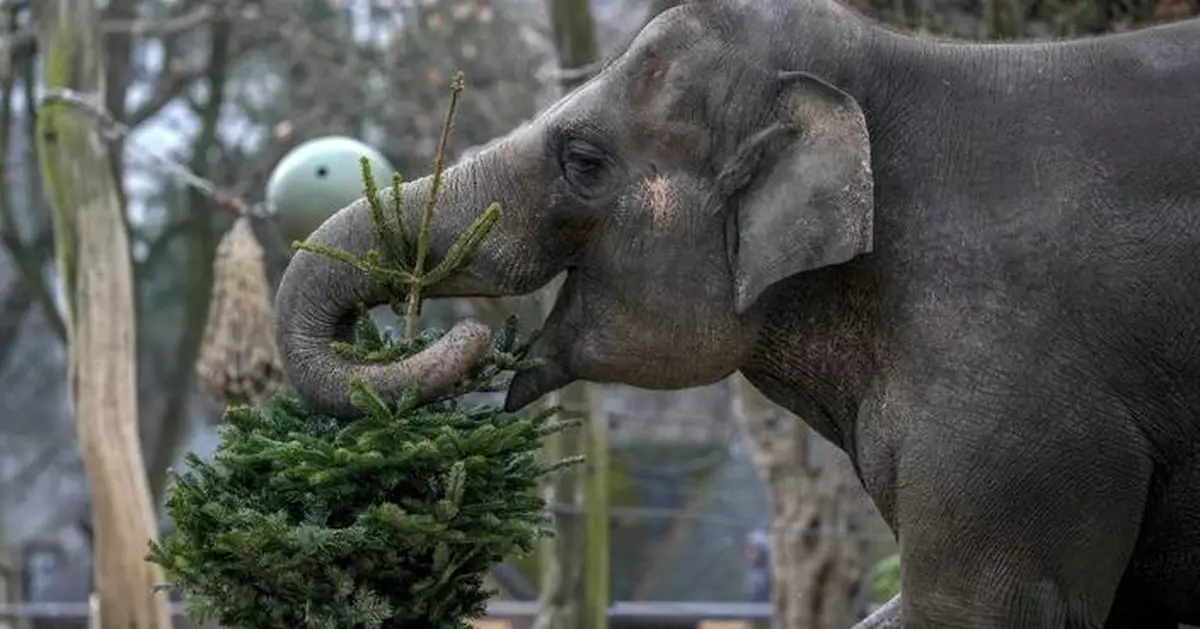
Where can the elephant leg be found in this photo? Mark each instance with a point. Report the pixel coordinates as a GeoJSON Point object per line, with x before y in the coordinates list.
{"type": "Point", "coordinates": [1128, 612]}
{"type": "Point", "coordinates": [886, 617]}
{"type": "Point", "coordinates": [1139, 617]}
{"type": "Point", "coordinates": [1135, 608]}
{"type": "Point", "coordinates": [1015, 521]}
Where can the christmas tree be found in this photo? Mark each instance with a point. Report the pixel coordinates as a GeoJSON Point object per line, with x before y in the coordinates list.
{"type": "Point", "coordinates": [387, 520]}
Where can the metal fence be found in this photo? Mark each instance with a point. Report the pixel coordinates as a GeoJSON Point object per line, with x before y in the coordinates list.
{"type": "Point", "coordinates": [502, 614]}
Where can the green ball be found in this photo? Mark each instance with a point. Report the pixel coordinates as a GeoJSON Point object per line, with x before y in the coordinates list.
{"type": "Point", "coordinates": [317, 178]}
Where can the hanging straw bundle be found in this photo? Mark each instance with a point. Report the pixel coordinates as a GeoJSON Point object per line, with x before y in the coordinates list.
{"type": "Point", "coordinates": [239, 362]}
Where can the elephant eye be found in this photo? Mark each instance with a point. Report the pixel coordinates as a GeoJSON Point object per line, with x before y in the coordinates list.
{"type": "Point", "coordinates": [585, 167]}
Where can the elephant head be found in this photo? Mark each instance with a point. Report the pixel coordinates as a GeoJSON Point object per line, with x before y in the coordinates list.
{"type": "Point", "coordinates": [675, 189]}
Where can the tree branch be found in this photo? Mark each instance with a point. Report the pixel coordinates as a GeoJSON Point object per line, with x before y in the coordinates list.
{"type": "Point", "coordinates": [170, 81]}
{"type": "Point", "coordinates": [144, 27]}
{"type": "Point", "coordinates": [29, 261]}
{"type": "Point", "coordinates": [167, 88]}
{"type": "Point", "coordinates": [12, 314]}
{"type": "Point", "coordinates": [23, 296]}
{"type": "Point", "coordinates": [159, 246]}
{"type": "Point", "coordinates": [137, 26]}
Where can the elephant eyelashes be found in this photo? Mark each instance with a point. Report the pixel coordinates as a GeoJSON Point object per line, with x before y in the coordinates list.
{"type": "Point", "coordinates": [585, 168]}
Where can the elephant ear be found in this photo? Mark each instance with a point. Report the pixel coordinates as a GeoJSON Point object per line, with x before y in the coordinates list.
{"type": "Point", "coordinates": [804, 195]}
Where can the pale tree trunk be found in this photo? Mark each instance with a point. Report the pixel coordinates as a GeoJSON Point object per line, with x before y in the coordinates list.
{"type": "Point", "coordinates": [573, 592]}
{"type": "Point", "coordinates": [92, 247]}
{"type": "Point", "coordinates": [561, 593]}
{"type": "Point", "coordinates": [574, 575]}
{"type": "Point", "coordinates": [817, 552]}
{"type": "Point", "coordinates": [574, 563]}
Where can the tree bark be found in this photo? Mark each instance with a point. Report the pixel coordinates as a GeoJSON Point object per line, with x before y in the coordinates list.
{"type": "Point", "coordinates": [93, 253]}
{"type": "Point", "coordinates": [28, 258]}
{"type": "Point", "coordinates": [817, 551]}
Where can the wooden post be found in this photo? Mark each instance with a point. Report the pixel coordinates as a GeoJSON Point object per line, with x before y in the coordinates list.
{"type": "Point", "coordinates": [560, 569]}
{"type": "Point", "coordinates": [94, 620]}
{"type": "Point", "coordinates": [596, 575]}
{"type": "Point", "coordinates": [9, 581]}
{"type": "Point", "coordinates": [575, 565]}
{"type": "Point", "coordinates": [92, 250]}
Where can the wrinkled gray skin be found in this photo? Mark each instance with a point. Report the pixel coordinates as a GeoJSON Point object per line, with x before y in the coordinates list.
{"type": "Point", "coordinates": [993, 305]}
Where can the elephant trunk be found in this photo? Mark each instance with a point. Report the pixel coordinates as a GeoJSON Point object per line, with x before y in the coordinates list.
{"type": "Point", "coordinates": [319, 299]}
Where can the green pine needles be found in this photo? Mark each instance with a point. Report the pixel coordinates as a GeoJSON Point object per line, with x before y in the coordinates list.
{"type": "Point", "coordinates": [387, 521]}
{"type": "Point", "coordinates": [400, 267]}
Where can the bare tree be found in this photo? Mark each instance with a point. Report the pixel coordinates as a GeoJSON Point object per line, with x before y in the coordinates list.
{"type": "Point", "coordinates": [91, 243]}
{"type": "Point", "coordinates": [129, 28]}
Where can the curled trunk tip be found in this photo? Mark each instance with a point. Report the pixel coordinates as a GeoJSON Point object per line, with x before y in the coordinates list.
{"type": "Point", "coordinates": [434, 370]}
{"type": "Point", "coordinates": [448, 360]}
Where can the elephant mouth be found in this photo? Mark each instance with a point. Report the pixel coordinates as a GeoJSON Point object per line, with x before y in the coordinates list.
{"type": "Point", "coordinates": [551, 348]}
{"type": "Point", "coordinates": [529, 385]}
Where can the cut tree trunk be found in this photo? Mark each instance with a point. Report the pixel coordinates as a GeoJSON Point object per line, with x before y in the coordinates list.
{"type": "Point", "coordinates": [817, 550]}
{"type": "Point", "coordinates": [92, 247]}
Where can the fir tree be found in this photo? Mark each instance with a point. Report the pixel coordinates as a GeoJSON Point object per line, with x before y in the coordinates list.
{"type": "Point", "coordinates": [388, 520]}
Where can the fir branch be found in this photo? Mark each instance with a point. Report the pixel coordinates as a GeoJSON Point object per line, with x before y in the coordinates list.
{"type": "Point", "coordinates": [383, 231]}
{"type": "Point", "coordinates": [423, 239]}
{"type": "Point", "coordinates": [339, 255]}
{"type": "Point", "coordinates": [460, 252]}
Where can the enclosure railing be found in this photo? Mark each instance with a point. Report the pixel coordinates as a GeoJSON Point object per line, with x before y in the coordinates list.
{"type": "Point", "coordinates": [643, 611]}
{"type": "Point", "coordinates": [624, 613]}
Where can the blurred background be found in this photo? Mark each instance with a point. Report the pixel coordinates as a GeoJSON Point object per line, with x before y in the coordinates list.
{"type": "Point", "coordinates": [222, 89]}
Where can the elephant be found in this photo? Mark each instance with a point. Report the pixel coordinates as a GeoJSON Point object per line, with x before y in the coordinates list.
{"type": "Point", "coordinates": [975, 268]}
